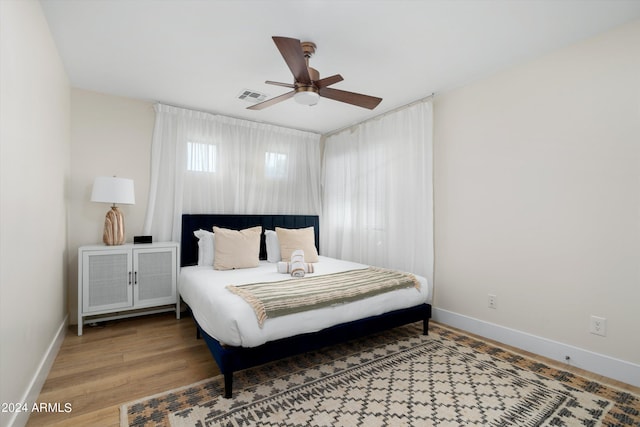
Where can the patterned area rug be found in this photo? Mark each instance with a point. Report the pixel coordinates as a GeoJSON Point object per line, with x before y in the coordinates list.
{"type": "Point", "coordinates": [396, 378]}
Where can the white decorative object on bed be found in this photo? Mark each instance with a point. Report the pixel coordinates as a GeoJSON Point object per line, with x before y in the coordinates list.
{"type": "Point", "coordinates": [298, 266]}
{"type": "Point", "coordinates": [285, 267]}
{"type": "Point", "coordinates": [272, 245]}
{"type": "Point", "coordinates": [206, 244]}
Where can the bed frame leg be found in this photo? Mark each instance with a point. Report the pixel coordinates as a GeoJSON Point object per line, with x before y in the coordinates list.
{"type": "Point", "coordinates": [425, 326]}
{"type": "Point", "coordinates": [228, 385]}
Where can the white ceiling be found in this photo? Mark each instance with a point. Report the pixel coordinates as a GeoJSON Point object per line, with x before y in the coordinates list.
{"type": "Point", "coordinates": [203, 54]}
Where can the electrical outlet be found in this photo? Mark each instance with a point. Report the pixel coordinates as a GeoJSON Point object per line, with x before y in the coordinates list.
{"type": "Point", "coordinates": [492, 301]}
{"type": "Point", "coordinates": [598, 325]}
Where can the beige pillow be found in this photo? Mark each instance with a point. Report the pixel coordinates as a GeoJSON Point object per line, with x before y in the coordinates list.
{"type": "Point", "coordinates": [299, 238]}
{"type": "Point", "coordinates": [236, 249]}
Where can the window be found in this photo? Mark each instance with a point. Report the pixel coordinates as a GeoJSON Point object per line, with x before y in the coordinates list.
{"type": "Point", "coordinates": [201, 157]}
{"type": "Point", "coordinates": [275, 165]}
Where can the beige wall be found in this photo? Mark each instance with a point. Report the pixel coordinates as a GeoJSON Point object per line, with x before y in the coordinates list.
{"type": "Point", "coordinates": [34, 181]}
{"type": "Point", "coordinates": [110, 135]}
{"type": "Point", "coordinates": [537, 195]}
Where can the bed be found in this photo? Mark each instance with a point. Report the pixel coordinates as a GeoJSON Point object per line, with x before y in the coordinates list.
{"type": "Point", "coordinates": [228, 324]}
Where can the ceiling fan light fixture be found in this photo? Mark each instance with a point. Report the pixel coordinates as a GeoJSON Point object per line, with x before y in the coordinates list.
{"type": "Point", "coordinates": [307, 85]}
{"type": "Point", "coordinates": [306, 97]}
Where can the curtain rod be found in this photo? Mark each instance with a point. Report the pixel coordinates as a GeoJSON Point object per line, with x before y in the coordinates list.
{"type": "Point", "coordinates": [262, 122]}
{"type": "Point", "coordinates": [394, 110]}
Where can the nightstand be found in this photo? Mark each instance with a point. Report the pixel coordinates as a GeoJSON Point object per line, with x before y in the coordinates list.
{"type": "Point", "coordinates": [127, 280]}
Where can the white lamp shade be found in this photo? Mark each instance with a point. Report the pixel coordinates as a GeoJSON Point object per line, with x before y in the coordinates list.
{"type": "Point", "coordinates": [109, 189]}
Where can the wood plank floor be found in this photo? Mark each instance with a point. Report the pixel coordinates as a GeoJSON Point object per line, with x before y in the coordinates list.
{"type": "Point", "coordinates": [126, 360]}
{"type": "Point", "coordinates": [122, 361]}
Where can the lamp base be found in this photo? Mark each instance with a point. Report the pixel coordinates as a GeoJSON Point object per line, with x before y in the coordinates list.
{"type": "Point", "coordinates": [113, 227]}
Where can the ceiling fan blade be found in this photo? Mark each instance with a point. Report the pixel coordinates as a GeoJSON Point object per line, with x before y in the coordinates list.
{"type": "Point", "coordinates": [328, 81]}
{"type": "Point", "coordinates": [293, 55]}
{"type": "Point", "coordinates": [364, 101]}
{"type": "Point", "coordinates": [289, 85]}
{"type": "Point", "coordinates": [272, 101]}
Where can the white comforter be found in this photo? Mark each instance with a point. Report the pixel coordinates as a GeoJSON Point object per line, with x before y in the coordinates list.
{"type": "Point", "coordinates": [229, 319]}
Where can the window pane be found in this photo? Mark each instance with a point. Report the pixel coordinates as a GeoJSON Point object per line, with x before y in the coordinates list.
{"type": "Point", "coordinates": [201, 157]}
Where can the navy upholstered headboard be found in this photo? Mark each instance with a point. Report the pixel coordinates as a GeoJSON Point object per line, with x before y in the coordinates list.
{"type": "Point", "coordinates": [193, 222]}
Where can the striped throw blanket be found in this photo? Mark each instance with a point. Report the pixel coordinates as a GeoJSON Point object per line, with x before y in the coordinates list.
{"type": "Point", "coordinates": [273, 299]}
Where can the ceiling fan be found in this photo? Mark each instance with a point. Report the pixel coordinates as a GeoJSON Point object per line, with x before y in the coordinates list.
{"type": "Point", "coordinates": [308, 87]}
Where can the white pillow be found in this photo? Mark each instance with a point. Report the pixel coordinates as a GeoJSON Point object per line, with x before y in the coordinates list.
{"type": "Point", "coordinates": [205, 247]}
{"type": "Point", "coordinates": [297, 238]}
{"type": "Point", "coordinates": [273, 246]}
{"type": "Point", "coordinates": [236, 249]}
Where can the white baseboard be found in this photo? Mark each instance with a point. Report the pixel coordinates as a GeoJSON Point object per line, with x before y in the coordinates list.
{"type": "Point", "coordinates": [35, 386]}
{"type": "Point", "coordinates": [601, 364]}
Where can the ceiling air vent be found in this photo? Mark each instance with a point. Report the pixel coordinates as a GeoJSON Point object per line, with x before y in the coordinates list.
{"type": "Point", "coordinates": [252, 96]}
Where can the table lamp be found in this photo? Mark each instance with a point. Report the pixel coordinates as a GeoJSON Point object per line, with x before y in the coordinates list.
{"type": "Point", "coordinates": [113, 190]}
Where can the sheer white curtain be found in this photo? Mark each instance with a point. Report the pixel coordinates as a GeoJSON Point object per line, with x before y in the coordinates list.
{"type": "Point", "coordinates": [204, 163]}
{"type": "Point", "coordinates": [378, 192]}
